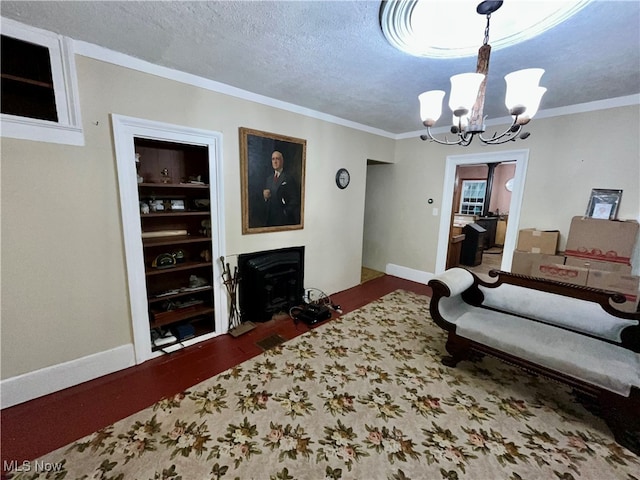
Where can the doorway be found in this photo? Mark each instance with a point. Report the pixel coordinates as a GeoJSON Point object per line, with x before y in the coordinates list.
{"type": "Point", "coordinates": [371, 271]}
{"type": "Point", "coordinates": [521, 158]}
{"type": "Point", "coordinates": [126, 131]}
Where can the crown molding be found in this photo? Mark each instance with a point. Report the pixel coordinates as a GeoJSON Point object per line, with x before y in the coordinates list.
{"type": "Point", "coordinates": [103, 54]}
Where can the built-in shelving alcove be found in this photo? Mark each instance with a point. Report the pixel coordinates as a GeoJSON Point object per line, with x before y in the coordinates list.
{"type": "Point", "coordinates": [170, 180]}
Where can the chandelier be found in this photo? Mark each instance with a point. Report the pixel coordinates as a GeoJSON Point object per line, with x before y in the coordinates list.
{"type": "Point", "coordinates": [466, 99]}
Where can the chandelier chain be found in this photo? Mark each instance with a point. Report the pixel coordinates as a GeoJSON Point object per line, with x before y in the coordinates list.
{"type": "Point", "coordinates": [486, 31]}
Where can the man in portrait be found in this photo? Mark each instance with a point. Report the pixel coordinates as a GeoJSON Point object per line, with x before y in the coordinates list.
{"type": "Point", "coordinates": [281, 195]}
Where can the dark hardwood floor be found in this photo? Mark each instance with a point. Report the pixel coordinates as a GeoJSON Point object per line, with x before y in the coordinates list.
{"type": "Point", "coordinates": [31, 429]}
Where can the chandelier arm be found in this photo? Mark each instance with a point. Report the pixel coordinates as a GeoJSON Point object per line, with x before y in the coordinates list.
{"type": "Point", "coordinates": [509, 132]}
{"type": "Point", "coordinates": [463, 140]}
{"type": "Point", "coordinates": [510, 137]}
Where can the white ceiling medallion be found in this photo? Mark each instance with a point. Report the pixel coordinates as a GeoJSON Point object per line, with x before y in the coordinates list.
{"type": "Point", "coordinates": [449, 29]}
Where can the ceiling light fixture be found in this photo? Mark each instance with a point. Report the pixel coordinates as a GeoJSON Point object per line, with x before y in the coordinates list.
{"type": "Point", "coordinates": [466, 99]}
{"type": "Point", "coordinates": [400, 20]}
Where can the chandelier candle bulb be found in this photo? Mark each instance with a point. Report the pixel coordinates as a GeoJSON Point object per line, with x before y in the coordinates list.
{"type": "Point", "coordinates": [523, 89]}
{"type": "Point", "coordinates": [532, 105]}
{"type": "Point", "coordinates": [430, 106]}
{"type": "Point", "coordinates": [464, 91]}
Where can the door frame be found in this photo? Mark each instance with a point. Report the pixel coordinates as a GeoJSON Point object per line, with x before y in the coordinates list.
{"type": "Point", "coordinates": [125, 130]}
{"type": "Point", "coordinates": [521, 158]}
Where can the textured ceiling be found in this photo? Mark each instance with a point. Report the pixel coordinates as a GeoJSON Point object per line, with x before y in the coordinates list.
{"type": "Point", "coordinates": [330, 56]}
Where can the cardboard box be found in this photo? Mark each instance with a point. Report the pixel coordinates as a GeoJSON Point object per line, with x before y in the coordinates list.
{"type": "Point", "coordinates": [598, 265]}
{"type": "Point", "coordinates": [523, 261]}
{"type": "Point", "coordinates": [625, 284]}
{"type": "Point", "coordinates": [602, 240]}
{"type": "Point", "coordinates": [538, 241]}
{"type": "Point", "coordinates": [560, 272]}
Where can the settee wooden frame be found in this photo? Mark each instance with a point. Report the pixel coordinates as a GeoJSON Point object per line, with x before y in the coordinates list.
{"type": "Point", "coordinates": [620, 413]}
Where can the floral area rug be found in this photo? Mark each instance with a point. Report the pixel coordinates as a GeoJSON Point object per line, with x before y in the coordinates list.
{"type": "Point", "coordinates": [361, 397]}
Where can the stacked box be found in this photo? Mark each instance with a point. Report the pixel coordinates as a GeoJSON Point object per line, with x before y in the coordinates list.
{"type": "Point", "coordinates": [523, 261]}
{"type": "Point", "coordinates": [604, 249]}
{"type": "Point", "coordinates": [601, 240]}
{"type": "Point", "coordinates": [532, 240]}
{"type": "Point", "coordinates": [560, 272]}
{"type": "Point", "coordinates": [535, 247]}
{"type": "Point", "coordinates": [598, 254]}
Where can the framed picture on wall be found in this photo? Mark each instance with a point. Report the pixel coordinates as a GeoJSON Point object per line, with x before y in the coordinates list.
{"type": "Point", "coordinates": [603, 203]}
{"type": "Point", "coordinates": [272, 175]}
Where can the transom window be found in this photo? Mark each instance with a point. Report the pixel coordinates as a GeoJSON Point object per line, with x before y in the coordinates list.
{"type": "Point", "coordinates": [39, 88]}
{"type": "Point", "coordinates": [472, 197]}
{"type": "Point", "coordinates": [27, 83]}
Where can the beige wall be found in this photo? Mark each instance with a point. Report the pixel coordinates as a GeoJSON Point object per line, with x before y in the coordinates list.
{"type": "Point", "coordinates": [568, 156]}
{"type": "Point", "coordinates": [64, 291]}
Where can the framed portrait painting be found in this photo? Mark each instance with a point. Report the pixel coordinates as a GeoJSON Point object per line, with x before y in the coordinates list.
{"type": "Point", "coordinates": [272, 173]}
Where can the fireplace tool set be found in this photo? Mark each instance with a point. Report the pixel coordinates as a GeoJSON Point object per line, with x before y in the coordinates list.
{"type": "Point", "coordinates": [236, 326]}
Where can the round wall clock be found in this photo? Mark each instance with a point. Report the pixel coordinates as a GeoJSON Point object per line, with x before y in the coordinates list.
{"type": "Point", "coordinates": [343, 178]}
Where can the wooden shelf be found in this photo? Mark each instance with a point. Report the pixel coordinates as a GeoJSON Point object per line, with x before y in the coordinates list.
{"type": "Point", "coordinates": [184, 293]}
{"type": "Point", "coordinates": [29, 81]}
{"type": "Point", "coordinates": [179, 267]}
{"type": "Point", "coordinates": [173, 185]}
{"type": "Point", "coordinates": [177, 213]}
{"type": "Point", "coordinates": [200, 329]}
{"type": "Point", "coordinates": [180, 315]}
{"type": "Point", "coordinates": [174, 240]}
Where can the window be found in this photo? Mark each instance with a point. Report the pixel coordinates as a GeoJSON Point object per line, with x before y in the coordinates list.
{"type": "Point", "coordinates": [38, 88]}
{"type": "Point", "coordinates": [27, 84]}
{"type": "Point", "coordinates": [472, 198]}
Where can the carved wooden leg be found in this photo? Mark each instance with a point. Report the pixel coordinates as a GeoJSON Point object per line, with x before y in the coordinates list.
{"type": "Point", "coordinates": [458, 349]}
{"type": "Point", "coordinates": [621, 416]}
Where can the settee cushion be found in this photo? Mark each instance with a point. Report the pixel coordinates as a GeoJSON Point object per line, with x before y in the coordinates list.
{"type": "Point", "coordinates": [596, 362]}
{"type": "Point", "coordinates": [559, 310]}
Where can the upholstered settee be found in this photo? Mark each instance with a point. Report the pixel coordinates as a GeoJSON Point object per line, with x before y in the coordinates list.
{"type": "Point", "coordinates": [565, 332]}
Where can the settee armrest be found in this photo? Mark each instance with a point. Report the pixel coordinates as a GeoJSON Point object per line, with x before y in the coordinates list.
{"type": "Point", "coordinates": [452, 282]}
{"type": "Point", "coordinates": [448, 288]}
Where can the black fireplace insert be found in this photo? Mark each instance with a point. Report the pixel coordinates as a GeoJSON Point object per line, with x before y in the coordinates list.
{"type": "Point", "coordinates": [270, 282]}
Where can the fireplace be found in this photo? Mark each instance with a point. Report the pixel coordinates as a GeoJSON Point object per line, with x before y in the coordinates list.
{"type": "Point", "coordinates": [270, 282]}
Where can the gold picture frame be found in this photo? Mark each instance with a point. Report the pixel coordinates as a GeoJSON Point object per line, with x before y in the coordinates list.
{"type": "Point", "coordinates": [271, 203]}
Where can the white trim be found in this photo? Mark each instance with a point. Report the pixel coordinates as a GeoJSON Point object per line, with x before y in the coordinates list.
{"type": "Point", "coordinates": [596, 105]}
{"type": "Point", "coordinates": [521, 157]}
{"type": "Point", "coordinates": [125, 130]}
{"type": "Point", "coordinates": [187, 343]}
{"type": "Point", "coordinates": [408, 273]}
{"type": "Point", "coordinates": [28, 386]}
{"type": "Point", "coordinates": [68, 129]}
{"type": "Point", "coordinates": [105, 55]}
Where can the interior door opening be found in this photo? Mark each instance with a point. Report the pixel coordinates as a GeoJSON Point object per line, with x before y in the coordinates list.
{"type": "Point", "coordinates": [479, 201]}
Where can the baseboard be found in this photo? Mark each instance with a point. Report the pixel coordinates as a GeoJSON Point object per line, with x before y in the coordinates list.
{"type": "Point", "coordinates": [408, 273]}
{"type": "Point", "coordinates": [28, 386]}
